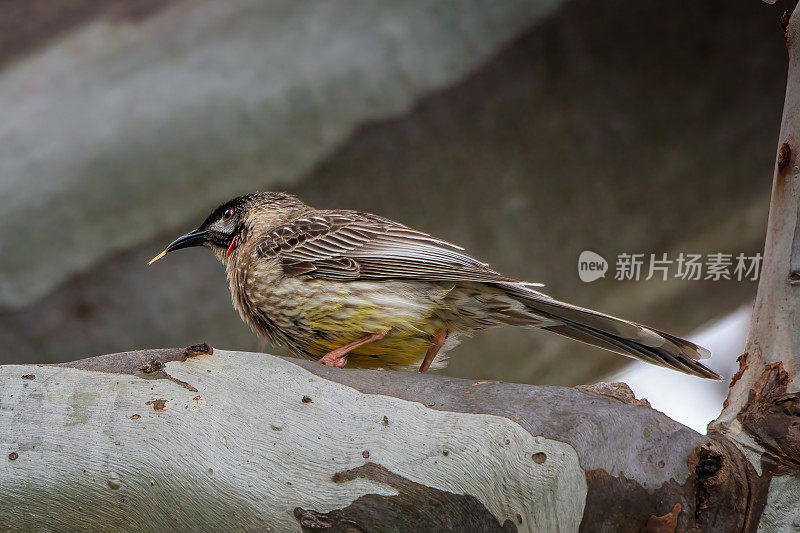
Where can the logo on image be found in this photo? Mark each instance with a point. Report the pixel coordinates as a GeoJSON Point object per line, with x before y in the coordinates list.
{"type": "Point", "coordinates": [591, 266]}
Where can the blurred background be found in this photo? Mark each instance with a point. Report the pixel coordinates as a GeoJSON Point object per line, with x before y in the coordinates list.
{"type": "Point", "coordinates": [526, 131]}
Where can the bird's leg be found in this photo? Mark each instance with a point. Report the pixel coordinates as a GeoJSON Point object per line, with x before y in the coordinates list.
{"type": "Point", "coordinates": [436, 345]}
{"type": "Point", "coordinates": [338, 357]}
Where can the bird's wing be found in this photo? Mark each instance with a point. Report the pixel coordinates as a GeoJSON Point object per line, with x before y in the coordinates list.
{"type": "Point", "coordinates": [349, 246]}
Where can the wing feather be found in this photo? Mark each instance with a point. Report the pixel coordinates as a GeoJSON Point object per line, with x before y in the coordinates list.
{"type": "Point", "coordinates": [352, 246]}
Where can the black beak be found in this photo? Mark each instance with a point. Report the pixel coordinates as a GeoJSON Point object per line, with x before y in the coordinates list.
{"type": "Point", "coordinates": [193, 238]}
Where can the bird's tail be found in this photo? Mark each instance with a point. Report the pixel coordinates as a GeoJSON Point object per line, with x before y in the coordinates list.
{"type": "Point", "coordinates": [605, 331]}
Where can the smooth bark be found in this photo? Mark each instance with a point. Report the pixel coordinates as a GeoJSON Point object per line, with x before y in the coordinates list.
{"type": "Point", "coordinates": [233, 440]}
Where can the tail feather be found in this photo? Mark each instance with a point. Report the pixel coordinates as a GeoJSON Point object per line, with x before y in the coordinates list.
{"type": "Point", "coordinates": [611, 333]}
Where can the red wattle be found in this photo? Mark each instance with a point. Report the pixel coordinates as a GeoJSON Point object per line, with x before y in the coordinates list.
{"type": "Point", "coordinates": [231, 247]}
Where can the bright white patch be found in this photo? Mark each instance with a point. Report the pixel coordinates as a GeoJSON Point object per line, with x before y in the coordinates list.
{"type": "Point", "coordinates": [687, 399]}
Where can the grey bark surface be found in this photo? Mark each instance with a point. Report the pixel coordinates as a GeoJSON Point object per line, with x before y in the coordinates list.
{"type": "Point", "coordinates": [292, 444]}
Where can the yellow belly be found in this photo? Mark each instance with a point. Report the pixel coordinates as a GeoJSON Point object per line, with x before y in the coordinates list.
{"type": "Point", "coordinates": [350, 311]}
{"type": "Point", "coordinates": [322, 315]}
{"type": "Point", "coordinates": [405, 344]}
{"type": "Point", "coordinates": [398, 348]}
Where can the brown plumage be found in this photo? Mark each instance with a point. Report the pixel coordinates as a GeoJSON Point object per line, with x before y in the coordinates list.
{"type": "Point", "coordinates": [335, 285]}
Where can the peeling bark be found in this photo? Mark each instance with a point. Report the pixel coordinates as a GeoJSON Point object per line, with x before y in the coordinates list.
{"type": "Point", "coordinates": [772, 418]}
{"type": "Point", "coordinates": [664, 524]}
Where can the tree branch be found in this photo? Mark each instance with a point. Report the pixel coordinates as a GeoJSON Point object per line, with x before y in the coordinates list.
{"type": "Point", "coordinates": [761, 415]}
{"type": "Point", "coordinates": [180, 439]}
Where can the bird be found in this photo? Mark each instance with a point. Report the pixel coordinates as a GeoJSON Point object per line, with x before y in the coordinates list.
{"type": "Point", "coordinates": [341, 286]}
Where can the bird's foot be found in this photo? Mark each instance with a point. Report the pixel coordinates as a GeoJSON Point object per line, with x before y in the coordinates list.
{"type": "Point", "coordinates": [338, 358]}
{"type": "Point", "coordinates": [334, 359]}
{"type": "Point", "coordinates": [436, 344]}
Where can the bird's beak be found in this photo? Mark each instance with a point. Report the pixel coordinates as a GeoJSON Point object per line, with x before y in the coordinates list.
{"type": "Point", "coordinates": [193, 238]}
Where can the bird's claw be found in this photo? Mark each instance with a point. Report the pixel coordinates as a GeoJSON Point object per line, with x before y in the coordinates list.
{"type": "Point", "coordinates": [335, 362]}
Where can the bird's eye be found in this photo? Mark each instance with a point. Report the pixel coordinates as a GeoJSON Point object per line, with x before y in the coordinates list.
{"type": "Point", "coordinates": [227, 214]}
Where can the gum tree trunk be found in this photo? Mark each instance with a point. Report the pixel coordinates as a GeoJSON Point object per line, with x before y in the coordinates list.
{"type": "Point", "coordinates": [761, 415]}
{"type": "Point", "coordinates": [198, 439]}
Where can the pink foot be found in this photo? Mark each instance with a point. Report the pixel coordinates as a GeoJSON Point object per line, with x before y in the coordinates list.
{"type": "Point", "coordinates": [436, 345]}
{"type": "Point", "coordinates": [338, 358]}
{"type": "Point", "coordinates": [335, 358]}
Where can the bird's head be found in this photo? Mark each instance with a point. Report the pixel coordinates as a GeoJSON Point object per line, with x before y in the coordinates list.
{"type": "Point", "coordinates": [223, 229]}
